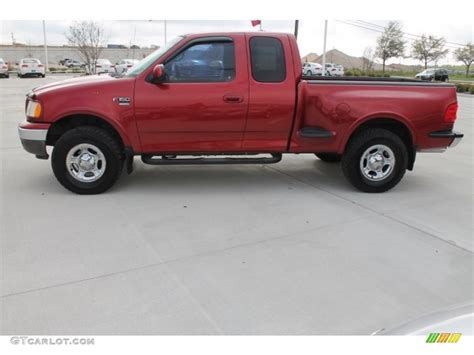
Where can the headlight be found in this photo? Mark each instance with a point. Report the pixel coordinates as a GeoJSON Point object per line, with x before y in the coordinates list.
{"type": "Point", "coordinates": [33, 109]}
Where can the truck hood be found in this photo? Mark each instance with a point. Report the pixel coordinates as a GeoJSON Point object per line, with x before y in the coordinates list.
{"type": "Point", "coordinates": [78, 82]}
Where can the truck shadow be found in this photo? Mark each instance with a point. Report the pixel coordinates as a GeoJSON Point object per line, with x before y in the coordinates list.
{"type": "Point", "coordinates": [221, 179]}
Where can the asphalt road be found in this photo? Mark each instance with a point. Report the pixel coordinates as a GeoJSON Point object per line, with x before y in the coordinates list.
{"type": "Point", "coordinates": [289, 248]}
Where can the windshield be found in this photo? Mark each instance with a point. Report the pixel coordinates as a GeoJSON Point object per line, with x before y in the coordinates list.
{"type": "Point", "coordinates": [141, 66]}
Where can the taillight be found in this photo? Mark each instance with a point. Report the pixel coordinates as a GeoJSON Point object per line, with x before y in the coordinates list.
{"type": "Point", "coordinates": [129, 66]}
{"type": "Point", "coordinates": [98, 66]}
{"type": "Point", "coordinates": [24, 66]}
{"type": "Point", "coordinates": [450, 114]}
{"type": "Point", "coordinates": [40, 65]}
{"type": "Point", "coordinates": [112, 66]}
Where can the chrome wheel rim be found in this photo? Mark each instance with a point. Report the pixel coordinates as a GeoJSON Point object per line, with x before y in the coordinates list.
{"type": "Point", "coordinates": [377, 162]}
{"type": "Point", "coordinates": [85, 162]}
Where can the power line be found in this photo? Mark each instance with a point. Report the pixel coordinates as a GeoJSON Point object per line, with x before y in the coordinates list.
{"type": "Point", "coordinates": [348, 22]}
{"type": "Point", "coordinates": [365, 23]}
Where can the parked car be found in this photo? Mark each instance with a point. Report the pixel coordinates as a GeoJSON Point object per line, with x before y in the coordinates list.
{"type": "Point", "coordinates": [71, 63]}
{"type": "Point", "coordinates": [104, 66]}
{"type": "Point", "coordinates": [125, 64]}
{"type": "Point", "coordinates": [246, 103]}
{"type": "Point", "coordinates": [457, 319]}
{"type": "Point", "coordinates": [339, 70]}
{"type": "Point", "coordinates": [334, 69]}
{"type": "Point", "coordinates": [3, 69]}
{"type": "Point", "coordinates": [30, 67]}
{"type": "Point", "coordinates": [63, 61]}
{"type": "Point", "coordinates": [433, 74]}
{"type": "Point", "coordinates": [312, 69]}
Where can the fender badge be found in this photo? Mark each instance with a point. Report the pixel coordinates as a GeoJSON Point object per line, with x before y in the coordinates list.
{"type": "Point", "coordinates": [122, 101]}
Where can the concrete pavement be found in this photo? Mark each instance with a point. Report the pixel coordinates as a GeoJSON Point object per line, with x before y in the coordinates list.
{"type": "Point", "coordinates": [289, 248]}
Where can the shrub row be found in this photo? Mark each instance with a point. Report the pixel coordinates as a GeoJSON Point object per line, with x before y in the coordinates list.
{"type": "Point", "coordinates": [467, 88]}
{"type": "Point", "coordinates": [359, 72]}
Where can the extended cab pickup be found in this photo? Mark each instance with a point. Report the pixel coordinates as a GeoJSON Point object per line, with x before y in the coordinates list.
{"type": "Point", "coordinates": [234, 98]}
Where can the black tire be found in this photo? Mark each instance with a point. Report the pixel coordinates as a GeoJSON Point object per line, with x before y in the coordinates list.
{"type": "Point", "coordinates": [43, 75]}
{"type": "Point", "coordinates": [359, 144]}
{"type": "Point", "coordinates": [98, 137]}
{"type": "Point", "coordinates": [329, 157]}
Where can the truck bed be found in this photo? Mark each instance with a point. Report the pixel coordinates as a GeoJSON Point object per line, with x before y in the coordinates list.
{"type": "Point", "coordinates": [371, 80]}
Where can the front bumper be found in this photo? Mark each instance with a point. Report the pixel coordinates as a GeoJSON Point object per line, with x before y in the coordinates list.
{"type": "Point", "coordinates": [33, 139]}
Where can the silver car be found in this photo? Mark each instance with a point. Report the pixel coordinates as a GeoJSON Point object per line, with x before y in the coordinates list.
{"type": "Point", "coordinates": [125, 64]}
{"type": "Point", "coordinates": [3, 69]}
{"type": "Point", "coordinates": [104, 66]}
{"type": "Point", "coordinates": [30, 67]}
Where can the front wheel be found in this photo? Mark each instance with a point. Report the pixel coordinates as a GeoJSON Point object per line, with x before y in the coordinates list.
{"type": "Point", "coordinates": [87, 160]}
{"type": "Point", "coordinates": [375, 160]}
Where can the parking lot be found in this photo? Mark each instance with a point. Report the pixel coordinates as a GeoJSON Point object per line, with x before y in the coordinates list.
{"type": "Point", "coordinates": [289, 248]}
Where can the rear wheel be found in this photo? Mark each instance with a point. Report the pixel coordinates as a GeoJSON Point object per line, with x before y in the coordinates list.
{"type": "Point", "coordinates": [329, 157]}
{"type": "Point", "coordinates": [375, 160]}
{"type": "Point", "coordinates": [87, 160]}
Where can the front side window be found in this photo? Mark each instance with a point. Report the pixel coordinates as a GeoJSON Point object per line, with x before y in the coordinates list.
{"type": "Point", "coordinates": [268, 60]}
{"type": "Point", "coordinates": [203, 62]}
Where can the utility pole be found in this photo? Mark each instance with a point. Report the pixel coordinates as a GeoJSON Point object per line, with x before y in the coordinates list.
{"type": "Point", "coordinates": [297, 22]}
{"type": "Point", "coordinates": [165, 33]}
{"type": "Point", "coordinates": [45, 47]}
{"type": "Point", "coordinates": [134, 40]}
{"type": "Point", "coordinates": [324, 46]}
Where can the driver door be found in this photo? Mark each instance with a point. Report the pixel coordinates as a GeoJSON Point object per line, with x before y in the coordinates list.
{"type": "Point", "coordinates": [202, 105]}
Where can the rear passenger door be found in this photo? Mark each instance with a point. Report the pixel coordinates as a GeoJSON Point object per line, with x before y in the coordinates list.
{"type": "Point", "coordinates": [272, 93]}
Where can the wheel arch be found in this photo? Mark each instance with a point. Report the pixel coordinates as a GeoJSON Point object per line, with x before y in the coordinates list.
{"type": "Point", "coordinates": [68, 122]}
{"type": "Point", "coordinates": [395, 124]}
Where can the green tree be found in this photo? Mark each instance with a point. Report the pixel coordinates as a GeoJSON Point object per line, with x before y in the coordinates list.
{"type": "Point", "coordinates": [465, 55]}
{"type": "Point", "coordinates": [390, 43]}
{"type": "Point", "coordinates": [428, 49]}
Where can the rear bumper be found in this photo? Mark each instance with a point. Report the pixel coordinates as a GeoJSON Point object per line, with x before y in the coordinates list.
{"type": "Point", "coordinates": [448, 138]}
{"type": "Point", "coordinates": [455, 136]}
{"type": "Point", "coordinates": [33, 138]}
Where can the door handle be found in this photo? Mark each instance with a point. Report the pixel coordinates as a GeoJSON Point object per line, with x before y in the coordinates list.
{"type": "Point", "coordinates": [233, 98]}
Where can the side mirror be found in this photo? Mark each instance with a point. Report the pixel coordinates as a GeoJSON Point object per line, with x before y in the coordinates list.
{"type": "Point", "coordinates": [159, 73]}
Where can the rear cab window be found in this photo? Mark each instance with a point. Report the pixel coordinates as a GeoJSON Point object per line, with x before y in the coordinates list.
{"type": "Point", "coordinates": [267, 59]}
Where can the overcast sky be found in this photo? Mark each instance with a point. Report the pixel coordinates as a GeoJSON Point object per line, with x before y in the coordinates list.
{"type": "Point", "coordinates": [347, 38]}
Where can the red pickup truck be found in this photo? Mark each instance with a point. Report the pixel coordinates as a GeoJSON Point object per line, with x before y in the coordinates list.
{"type": "Point", "coordinates": [234, 98]}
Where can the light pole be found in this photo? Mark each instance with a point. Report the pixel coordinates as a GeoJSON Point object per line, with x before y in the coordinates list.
{"type": "Point", "coordinates": [324, 46]}
{"type": "Point", "coordinates": [297, 22]}
{"type": "Point", "coordinates": [45, 47]}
